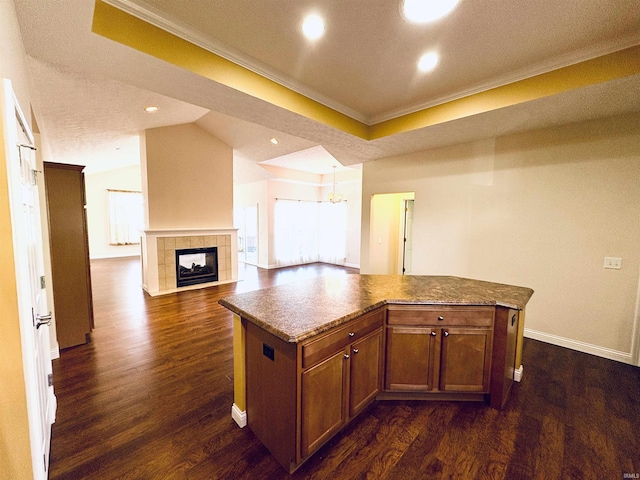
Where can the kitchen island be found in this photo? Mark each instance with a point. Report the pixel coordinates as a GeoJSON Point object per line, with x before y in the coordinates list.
{"type": "Point", "coordinates": [310, 356]}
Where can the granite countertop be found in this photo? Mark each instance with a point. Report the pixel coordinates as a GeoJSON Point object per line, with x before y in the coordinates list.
{"type": "Point", "coordinates": [297, 311]}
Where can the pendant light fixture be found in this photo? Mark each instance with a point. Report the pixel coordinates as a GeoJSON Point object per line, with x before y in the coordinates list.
{"type": "Point", "coordinates": [333, 196]}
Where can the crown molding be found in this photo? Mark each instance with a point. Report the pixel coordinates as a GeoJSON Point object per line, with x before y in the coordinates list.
{"type": "Point", "coordinates": [554, 63]}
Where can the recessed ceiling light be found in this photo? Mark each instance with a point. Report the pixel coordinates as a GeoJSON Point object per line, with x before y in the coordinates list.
{"type": "Point", "coordinates": [313, 26]}
{"type": "Point", "coordinates": [423, 11]}
{"type": "Point", "coordinates": [428, 62]}
{"type": "Point", "coordinates": [275, 141]}
{"type": "Point", "coordinates": [151, 109]}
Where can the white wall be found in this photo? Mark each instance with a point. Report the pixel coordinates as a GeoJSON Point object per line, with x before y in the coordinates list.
{"type": "Point", "coordinates": [540, 209]}
{"type": "Point", "coordinates": [188, 178]}
{"type": "Point", "coordinates": [96, 186]}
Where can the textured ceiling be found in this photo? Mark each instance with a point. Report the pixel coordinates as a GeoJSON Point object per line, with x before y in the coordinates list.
{"type": "Point", "coordinates": [90, 90]}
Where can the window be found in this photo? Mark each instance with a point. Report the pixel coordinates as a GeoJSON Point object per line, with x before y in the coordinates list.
{"type": "Point", "coordinates": [125, 217]}
{"type": "Point", "coordinates": [307, 232]}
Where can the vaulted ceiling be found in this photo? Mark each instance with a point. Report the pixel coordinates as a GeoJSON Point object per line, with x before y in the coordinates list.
{"type": "Point", "coordinates": [242, 70]}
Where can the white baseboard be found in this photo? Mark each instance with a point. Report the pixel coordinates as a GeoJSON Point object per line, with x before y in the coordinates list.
{"type": "Point", "coordinates": [239, 416]}
{"type": "Point", "coordinates": [114, 255]}
{"type": "Point", "coordinates": [517, 374]}
{"type": "Point", "coordinates": [55, 351]}
{"type": "Point", "coordinates": [624, 357]}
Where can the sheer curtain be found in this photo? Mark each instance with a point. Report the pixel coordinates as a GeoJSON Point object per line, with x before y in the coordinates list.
{"type": "Point", "coordinates": [332, 229]}
{"type": "Point", "coordinates": [125, 217]}
{"type": "Point", "coordinates": [306, 232]}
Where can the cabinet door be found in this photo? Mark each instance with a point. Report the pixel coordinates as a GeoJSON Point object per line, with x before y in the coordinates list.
{"type": "Point", "coordinates": [465, 363]}
{"type": "Point", "coordinates": [365, 381]}
{"type": "Point", "coordinates": [322, 403]}
{"type": "Point", "coordinates": [410, 356]}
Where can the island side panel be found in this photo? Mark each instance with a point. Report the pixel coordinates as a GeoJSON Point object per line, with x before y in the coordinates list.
{"type": "Point", "coordinates": [518, 373]}
{"type": "Point", "coordinates": [271, 392]}
{"type": "Point", "coordinates": [504, 355]}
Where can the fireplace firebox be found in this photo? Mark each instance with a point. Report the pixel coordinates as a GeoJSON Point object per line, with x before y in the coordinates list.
{"type": "Point", "coordinates": [196, 265]}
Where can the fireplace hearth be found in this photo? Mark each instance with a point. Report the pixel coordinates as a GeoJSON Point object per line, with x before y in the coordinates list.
{"type": "Point", "coordinates": [196, 265]}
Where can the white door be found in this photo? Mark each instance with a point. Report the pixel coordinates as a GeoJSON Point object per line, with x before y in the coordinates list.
{"type": "Point", "coordinates": [32, 298]}
{"type": "Point", "coordinates": [407, 249]}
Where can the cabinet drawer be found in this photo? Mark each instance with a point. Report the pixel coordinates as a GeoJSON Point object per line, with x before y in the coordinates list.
{"type": "Point", "coordinates": [338, 338]}
{"type": "Point", "coordinates": [434, 315]}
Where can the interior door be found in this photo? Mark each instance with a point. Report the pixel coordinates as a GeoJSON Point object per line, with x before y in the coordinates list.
{"type": "Point", "coordinates": [32, 298]}
{"type": "Point", "coordinates": [407, 251]}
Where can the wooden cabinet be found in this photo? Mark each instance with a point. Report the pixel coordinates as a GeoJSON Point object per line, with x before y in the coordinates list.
{"type": "Point", "coordinates": [69, 253]}
{"type": "Point", "coordinates": [465, 359]}
{"type": "Point", "coordinates": [322, 411]}
{"type": "Point", "coordinates": [365, 379]}
{"type": "Point", "coordinates": [300, 395]}
{"type": "Point", "coordinates": [439, 349]}
{"type": "Point", "coordinates": [338, 387]}
{"type": "Point", "coordinates": [410, 358]}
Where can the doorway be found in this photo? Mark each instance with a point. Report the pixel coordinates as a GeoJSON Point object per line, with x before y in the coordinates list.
{"type": "Point", "coordinates": [33, 315]}
{"type": "Point", "coordinates": [388, 252]}
{"type": "Point", "coordinates": [246, 221]}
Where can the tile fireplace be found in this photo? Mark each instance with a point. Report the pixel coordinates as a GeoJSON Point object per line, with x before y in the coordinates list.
{"type": "Point", "coordinates": [207, 257]}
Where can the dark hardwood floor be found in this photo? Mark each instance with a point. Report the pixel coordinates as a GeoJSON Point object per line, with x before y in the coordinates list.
{"type": "Point", "coordinates": [150, 398]}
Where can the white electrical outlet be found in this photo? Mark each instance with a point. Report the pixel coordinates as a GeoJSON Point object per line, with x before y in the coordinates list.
{"type": "Point", "coordinates": [613, 262]}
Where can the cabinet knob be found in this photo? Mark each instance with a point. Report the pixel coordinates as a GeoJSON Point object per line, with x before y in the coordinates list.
{"type": "Point", "coordinates": [440, 318]}
{"type": "Point", "coordinates": [433, 333]}
{"type": "Point", "coordinates": [346, 355]}
{"type": "Point", "coordinates": [446, 334]}
{"type": "Point", "coordinates": [351, 334]}
{"type": "Point", "coordinates": [355, 350]}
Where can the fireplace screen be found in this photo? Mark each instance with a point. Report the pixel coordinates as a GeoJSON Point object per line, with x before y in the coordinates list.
{"type": "Point", "coordinates": [196, 265]}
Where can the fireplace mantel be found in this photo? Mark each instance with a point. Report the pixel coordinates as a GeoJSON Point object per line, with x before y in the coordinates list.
{"type": "Point", "coordinates": [158, 256]}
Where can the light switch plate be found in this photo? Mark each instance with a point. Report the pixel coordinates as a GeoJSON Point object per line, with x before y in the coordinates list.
{"type": "Point", "coordinates": [613, 262]}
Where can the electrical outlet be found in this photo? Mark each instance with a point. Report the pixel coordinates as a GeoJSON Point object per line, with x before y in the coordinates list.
{"type": "Point", "coordinates": [613, 262]}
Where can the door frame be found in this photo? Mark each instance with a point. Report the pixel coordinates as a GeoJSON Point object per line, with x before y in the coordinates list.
{"type": "Point", "coordinates": [14, 118]}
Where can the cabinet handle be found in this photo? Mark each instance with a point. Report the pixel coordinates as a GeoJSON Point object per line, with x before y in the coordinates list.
{"type": "Point", "coordinates": [355, 350]}
{"type": "Point", "coordinates": [433, 333]}
{"type": "Point", "coordinates": [351, 334]}
{"type": "Point", "coordinates": [346, 356]}
{"type": "Point", "coordinates": [446, 334]}
{"type": "Point", "coordinates": [440, 318]}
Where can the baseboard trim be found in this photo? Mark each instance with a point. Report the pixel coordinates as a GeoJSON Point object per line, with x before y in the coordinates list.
{"type": "Point", "coordinates": [239, 416]}
{"type": "Point", "coordinates": [517, 374]}
{"type": "Point", "coordinates": [624, 357]}
{"type": "Point", "coordinates": [55, 351]}
{"type": "Point", "coordinates": [114, 255]}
